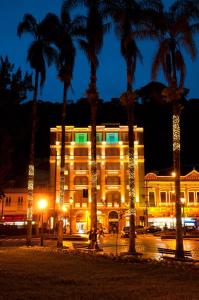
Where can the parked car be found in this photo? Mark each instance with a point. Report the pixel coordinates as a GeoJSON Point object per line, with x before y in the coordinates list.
{"type": "Point", "coordinates": [153, 229]}
{"type": "Point", "coordinates": [125, 232]}
{"type": "Point", "coordinates": [139, 229]}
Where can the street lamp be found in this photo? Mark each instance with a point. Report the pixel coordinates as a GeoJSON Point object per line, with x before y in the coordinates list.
{"type": "Point", "coordinates": [71, 204]}
{"type": "Point", "coordinates": [42, 205]}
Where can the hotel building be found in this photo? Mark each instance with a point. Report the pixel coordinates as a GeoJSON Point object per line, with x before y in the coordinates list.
{"type": "Point", "coordinates": [112, 174]}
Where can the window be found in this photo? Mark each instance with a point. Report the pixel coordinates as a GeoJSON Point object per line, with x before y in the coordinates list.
{"type": "Point", "coordinates": [191, 197]}
{"type": "Point", "coordinates": [163, 197]}
{"type": "Point", "coordinates": [113, 166]}
{"type": "Point", "coordinates": [99, 137]}
{"type": "Point", "coordinates": [181, 194]}
{"type": "Point", "coordinates": [172, 196]}
{"type": "Point", "coordinates": [113, 180]}
{"type": "Point", "coordinates": [20, 201]}
{"type": "Point", "coordinates": [81, 152]}
{"type": "Point", "coordinates": [81, 138]}
{"type": "Point", "coordinates": [197, 197]}
{"type": "Point", "coordinates": [68, 137]}
{"type": "Point", "coordinates": [81, 166]}
{"type": "Point", "coordinates": [151, 199]}
{"type": "Point", "coordinates": [124, 136]}
{"type": "Point", "coordinates": [112, 137]}
{"type": "Point", "coordinates": [81, 180]}
{"type": "Point", "coordinates": [8, 201]}
{"type": "Point", "coordinates": [112, 152]}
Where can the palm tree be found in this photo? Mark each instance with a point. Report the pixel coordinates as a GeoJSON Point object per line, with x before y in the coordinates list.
{"type": "Point", "coordinates": [39, 53]}
{"type": "Point", "coordinates": [174, 32]}
{"type": "Point", "coordinates": [62, 31]}
{"type": "Point", "coordinates": [91, 41]}
{"type": "Point", "coordinates": [127, 16]}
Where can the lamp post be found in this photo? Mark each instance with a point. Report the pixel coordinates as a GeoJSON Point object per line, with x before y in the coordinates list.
{"type": "Point", "coordinates": [2, 197]}
{"type": "Point", "coordinates": [183, 215]}
{"type": "Point", "coordinates": [87, 220]}
{"type": "Point", "coordinates": [64, 208]}
{"type": "Point", "coordinates": [71, 204]}
{"type": "Point", "coordinates": [42, 205]}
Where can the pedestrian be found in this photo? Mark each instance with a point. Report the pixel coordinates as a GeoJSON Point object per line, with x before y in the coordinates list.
{"type": "Point", "coordinates": [100, 236]}
{"type": "Point", "coordinates": [92, 238]}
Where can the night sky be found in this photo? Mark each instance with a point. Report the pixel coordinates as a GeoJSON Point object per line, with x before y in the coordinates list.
{"type": "Point", "coordinates": [111, 72]}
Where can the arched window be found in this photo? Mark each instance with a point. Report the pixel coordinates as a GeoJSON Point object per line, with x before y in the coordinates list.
{"type": "Point", "coordinates": [113, 215]}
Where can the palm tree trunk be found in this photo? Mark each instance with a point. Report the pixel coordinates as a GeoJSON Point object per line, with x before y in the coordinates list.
{"type": "Point", "coordinates": [62, 167]}
{"type": "Point", "coordinates": [176, 164]}
{"type": "Point", "coordinates": [132, 249]}
{"type": "Point", "coordinates": [31, 164]}
{"type": "Point", "coordinates": [176, 161]}
{"type": "Point", "coordinates": [93, 97]}
{"type": "Point", "coordinates": [130, 107]}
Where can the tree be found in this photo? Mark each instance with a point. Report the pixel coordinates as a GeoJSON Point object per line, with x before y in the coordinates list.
{"type": "Point", "coordinates": [39, 53]}
{"type": "Point", "coordinates": [174, 31]}
{"type": "Point", "coordinates": [91, 34]}
{"type": "Point", "coordinates": [13, 91]}
{"type": "Point", "coordinates": [62, 32]}
{"type": "Point", "coordinates": [127, 16]}
{"type": "Point", "coordinates": [13, 86]}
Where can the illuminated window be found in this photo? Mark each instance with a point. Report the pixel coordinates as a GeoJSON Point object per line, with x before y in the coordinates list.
{"type": "Point", "coordinates": [112, 137]}
{"type": "Point", "coordinates": [99, 137]}
{"type": "Point", "coordinates": [81, 138]}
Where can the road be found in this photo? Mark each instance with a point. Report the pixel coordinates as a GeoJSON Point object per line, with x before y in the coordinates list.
{"type": "Point", "coordinates": [146, 244]}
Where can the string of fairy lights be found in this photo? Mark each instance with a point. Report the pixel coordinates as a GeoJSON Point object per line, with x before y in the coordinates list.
{"type": "Point", "coordinates": [30, 191]}
{"type": "Point", "coordinates": [176, 132]}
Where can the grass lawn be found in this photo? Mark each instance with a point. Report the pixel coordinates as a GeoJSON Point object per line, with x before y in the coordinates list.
{"type": "Point", "coordinates": [44, 274]}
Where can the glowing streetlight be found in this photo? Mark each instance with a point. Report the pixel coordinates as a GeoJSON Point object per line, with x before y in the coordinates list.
{"type": "Point", "coordinates": [42, 204]}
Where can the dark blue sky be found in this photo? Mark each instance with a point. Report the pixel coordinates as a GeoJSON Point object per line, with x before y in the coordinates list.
{"type": "Point", "coordinates": [111, 72]}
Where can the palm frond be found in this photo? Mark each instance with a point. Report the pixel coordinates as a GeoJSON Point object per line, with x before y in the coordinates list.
{"type": "Point", "coordinates": [28, 25]}
{"type": "Point", "coordinates": [180, 65]}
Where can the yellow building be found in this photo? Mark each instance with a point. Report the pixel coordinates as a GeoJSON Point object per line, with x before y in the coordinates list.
{"type": "Point", "coordinates": [160, 199]}
{"type": "Point", "coordinates": [112, 174]}
{"type": "Point", "coordinates": [13, 206]}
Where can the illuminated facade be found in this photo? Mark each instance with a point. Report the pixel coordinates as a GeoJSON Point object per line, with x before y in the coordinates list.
{"type": "Point", "coordinates": [160, 199]}
{"type": "Point", "coordinates": [112, 174]}
{"type": "Point", "coordinates": [13, 206]}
